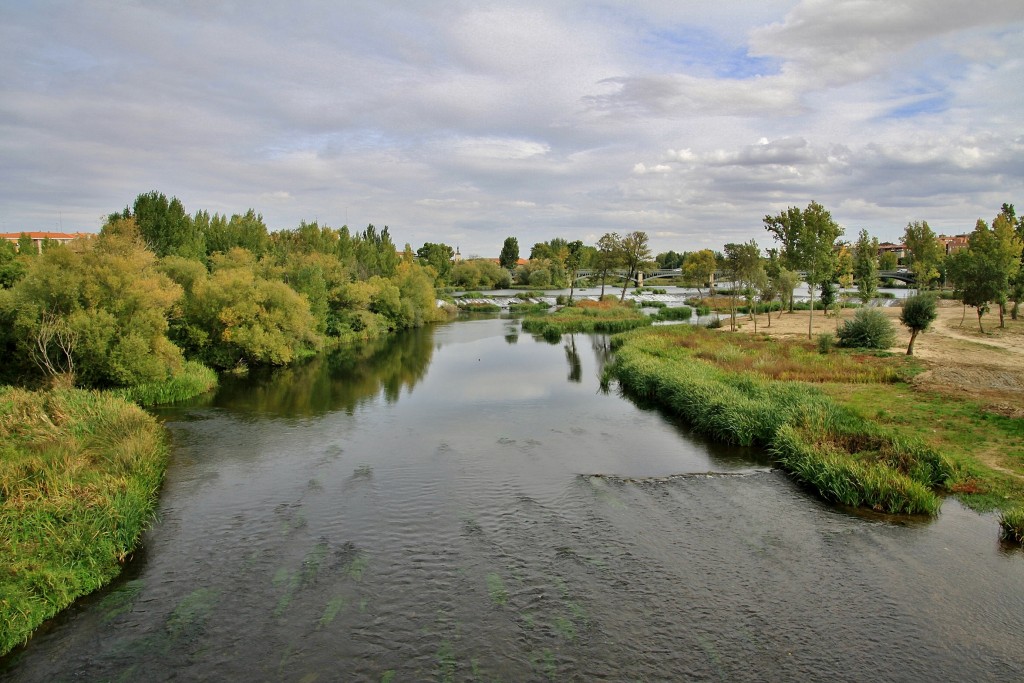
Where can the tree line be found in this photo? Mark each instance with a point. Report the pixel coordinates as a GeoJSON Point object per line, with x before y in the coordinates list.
{"type": "Point", "coordinates": [158, 286]}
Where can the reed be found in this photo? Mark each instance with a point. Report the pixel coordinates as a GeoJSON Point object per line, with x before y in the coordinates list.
{"type": "Point", "coordinates": [478, 307]}
{"type": "Point", "coordinates": [79, 476]}
{"type": "Point", "coordinates": [587, 316]}
{"type": "Point", "coordinates": [193, 380]}
{"type": "Point", "coordinates": [1011, 524]}
{"type": "Point", "coordinates": [675, 313]}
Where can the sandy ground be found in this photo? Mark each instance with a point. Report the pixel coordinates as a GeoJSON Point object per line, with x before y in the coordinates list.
{"type": "Point", "coordinates": [961, 360]}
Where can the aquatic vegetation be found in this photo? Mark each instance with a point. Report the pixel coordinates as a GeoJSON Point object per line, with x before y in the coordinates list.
{"type": "Point", "coordinates": [79, 477]}
{"type": "Point", "coordinates": [587, 316]}
{"type": "Point", "coordinates": [496, 589]}
{"type": "Point", "coordinates": [675, 313]}
{"type": "Point", "coordinates": [827, 447]}
{"type": "Point", "coordinates": [331, 611]}
{"type": "Point", "coordinates": [194, 379]}
{"type": "Point", "coordinates": [1011, 523]}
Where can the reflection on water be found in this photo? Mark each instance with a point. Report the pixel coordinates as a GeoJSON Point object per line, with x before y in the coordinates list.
{"type": "Point", "coordinates": [455, 506]}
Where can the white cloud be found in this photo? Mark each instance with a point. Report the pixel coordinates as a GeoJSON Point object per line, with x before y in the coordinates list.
{"type": "Point", "coordinates": [480, 121]}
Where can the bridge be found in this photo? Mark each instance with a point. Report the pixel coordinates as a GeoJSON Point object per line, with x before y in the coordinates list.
{"type": "Point", "coordinates": [903, 275]}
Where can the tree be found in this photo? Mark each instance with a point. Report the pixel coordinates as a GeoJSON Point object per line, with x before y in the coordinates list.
{"type": "Point", "coordinates": [11, 268]}
{"type": "Point", "coordinates": [572, 264]}
{"type": "Point", "coordinates": [808, 240]}
{"type": "Point", "coordinates": [918, 314]}
{"type": "Point", "coordinates": [669, 260]}
{"type": "Point", "coordinates": [439, 257]}
{"type": "Point", "coordinates": [699, 268]}
{"type": "Point", "coordinates": [1008, 256]}
{"type": "Point", "coordinates": [888, 261]}
{"type": "Point", "coordinates": [865, 267]}
{"type": "Point", "coordinates": [635, 254]}
{"type": "Point", "coordinates": [744, 261]}
{"type": "Point", "coordinates": [975, 271]}
{"type": "Point", "coordinates": [165, 227]}
{"type": "Point", "coordinates": [925, 252]}
{"type": "Point", "coordinates": [509, 258]}
{"type": "Point", "coordinates": [609, 256]}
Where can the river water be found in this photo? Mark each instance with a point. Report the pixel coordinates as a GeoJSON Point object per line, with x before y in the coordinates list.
{"type": "Point", "coordinates": [463, 504]}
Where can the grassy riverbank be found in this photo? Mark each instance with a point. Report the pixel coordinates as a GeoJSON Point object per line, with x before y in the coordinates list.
{"type": "Point", "coordinates": [79, 476]}
{"type": "Point", "coordinates": [751, 391]}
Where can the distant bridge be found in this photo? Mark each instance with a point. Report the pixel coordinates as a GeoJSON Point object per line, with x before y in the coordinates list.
{"type": "Point", "coordinates": [639, 278]}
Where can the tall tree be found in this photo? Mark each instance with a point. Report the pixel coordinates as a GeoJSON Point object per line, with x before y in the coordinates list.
{"type": "Point", "coordinates": [439, 257]}
{"type": "Point", "coordinates": [635, 254]}
{"type": "Point", "coordinates": [509, 258]}
{"type": "Point", "coordinates": [865, 267]}
{"type": "Point", "coordinates": [165, 227]}
{"type": "Point", "coordinates": [975, 271]}
{"type": "Point", "coordinates": [918, 314]}
{"type": "Point", "coordinates": [1008, 255]}
{"type": "Point", "coordinates": [926, 253]}
{"type": "Point", "coordinates": [744, 261]}
{"type": "Point", "coordinates": [698, 268]}
{"type": "Point", "coordinates": [808, 241]}
{"type": "Point", "coordinates": [573, 261]}
{"type": "Point", "coordinates": [609, 256]}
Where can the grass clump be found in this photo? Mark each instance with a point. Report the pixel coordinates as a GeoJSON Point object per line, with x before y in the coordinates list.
{"type": "Point", "coordinates": [478, 307]}
{"type": "Point", "coordinates": [719, 390]}
{"type": "Point", "coordinates": [675, 313]}
{"type": "Point", "coordinates": [79, 476]}
{"type": "Point", "coordinates": [1011, 524]}
{"type": "Point", "coordinates": [528, 308]}
{"type": "Point", "coordinates": [193, 380]}
{"type": "Point", "coordinates": [587, 316]}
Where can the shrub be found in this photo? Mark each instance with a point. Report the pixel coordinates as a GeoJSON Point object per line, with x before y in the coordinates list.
{"type": "Point", "coordinates": [869, 329]}
{"type": "Point", "coordinates": [918, 314]}
{"type": "Point", "coordinates": [826, 340]}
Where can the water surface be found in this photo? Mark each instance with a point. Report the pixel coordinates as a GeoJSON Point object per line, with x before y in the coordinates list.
{"type": "Point", "coordinates": [463, 503]}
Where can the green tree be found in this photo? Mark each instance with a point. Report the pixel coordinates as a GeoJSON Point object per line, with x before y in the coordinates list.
{"type": "Point", "coordinates": [573, 261]}
{"type": "Point", "coordinates": [808, 241]}
{"type": "Point", "coordinates": [865, 267]}
{"type": "Point", "coordinates": [242, 230]}
{"type": "Point", "coordinates": [109, 297]}
{"type": "Point", "coordinates": [745, 264]}
{"type": "Point", "coordinates": [888, 261]}
{"type": "Point", "coordinates": [669, 260]}
{"type": "Point", "coordinates": [608, 257]}
{"type": "Point", "coordinates": [165, 227]}
{"type": "Point", "coordinates": [26, 247]}
{"type": "Point", "coordinates": [975, 271]}
{"type": "Point", "coordinates": [11, 268]}
{"type": "Point", "coordinates": [509, 258]}
{"type": "Point", "coordinates": [1008, 256]}
{"type": "Point", "coordinates": [635, 254]}
{"type": "Point", "coordinates": [699, 268]}
{"type": "Point", "coordinates": [439, 257]}
{"type": "Point", "coordinates": [925, 253]}
{"type": "Point", "coordinates": [919, 312]}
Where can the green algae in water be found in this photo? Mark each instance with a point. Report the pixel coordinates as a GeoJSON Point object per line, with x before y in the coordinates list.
{"type": "Point", "coordinates": [121, 599]}
{"type": "Point", "coordinates": [331, 611]}
{"type": "Point", "coordinates": [356, 566]}
{"type": "Point", "coordinates": [496, 589]}
{"type": "Point", "coordinates": [446, 661]}
{"type": "Point", "coordinates": [189, 617]}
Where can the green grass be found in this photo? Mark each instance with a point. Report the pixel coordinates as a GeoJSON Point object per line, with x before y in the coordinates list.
{"type": "Point", "coordinates": [193, 380]}
{"type": "Point", "coordinates": [1011, 522]}
{"type": "Point", "coordinates": [587, 316]}
{"type": "Point", "coordinates": [826, 446]}
{"type": "Point", "coordinates": [80, 472]}
{"type": "Point", "coordinates": [479, 307]}
{"type": "Point", "coordinates": [675, 313]}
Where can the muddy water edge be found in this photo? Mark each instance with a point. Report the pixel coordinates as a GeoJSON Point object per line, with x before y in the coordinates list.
{"type": "Point", "coordinates": [463, 503]}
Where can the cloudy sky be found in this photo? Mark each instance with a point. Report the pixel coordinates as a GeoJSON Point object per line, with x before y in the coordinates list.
{"type": "Point", "coordinates": [468, 122]}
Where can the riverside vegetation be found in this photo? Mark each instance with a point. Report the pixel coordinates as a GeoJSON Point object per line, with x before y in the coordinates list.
{"type": "Point", "coordinates": [79, 476]}
{"type": "Point", "coordinates": [147, 312]}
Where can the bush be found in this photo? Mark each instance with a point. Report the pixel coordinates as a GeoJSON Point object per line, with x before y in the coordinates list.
{"type": "Point", "coordinates": [826, 340]}
{"type": "Point", "coordinates": [869, 329]}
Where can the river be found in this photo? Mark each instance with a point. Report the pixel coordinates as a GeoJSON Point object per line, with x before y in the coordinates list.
{"type": "Point", "coordinates": [463, 503]}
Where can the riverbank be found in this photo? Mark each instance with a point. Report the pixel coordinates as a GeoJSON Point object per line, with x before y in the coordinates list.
{"type": "Point", "coordinates": [80, 473]}
{"type": "Point", "coordinates": [964, 396]}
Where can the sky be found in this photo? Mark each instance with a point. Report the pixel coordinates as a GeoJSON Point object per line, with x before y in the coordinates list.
{"type": "Point", "coordinates": [469, 122]}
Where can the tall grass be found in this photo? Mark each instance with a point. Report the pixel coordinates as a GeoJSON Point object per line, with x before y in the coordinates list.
{"type": "Point", "coordinates": [674, 313]}
{"type": "Point", "coordinates": [79, 476]}
{"type": "Point", "coordinates": [193, 380]}
{"type": "Point", "coordinates": [823, 445]}
{"type": "Point", "coordinates": [1011, 523]}
{"type": "Point", "coordinates": [587, 316]}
